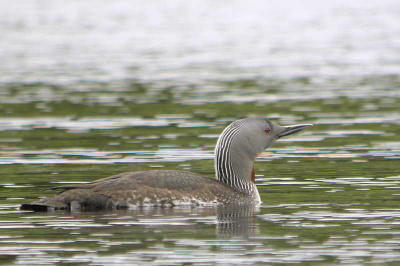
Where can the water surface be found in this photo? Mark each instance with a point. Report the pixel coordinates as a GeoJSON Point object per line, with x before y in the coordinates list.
{"type": "Point", "coordinates": [90, 90]}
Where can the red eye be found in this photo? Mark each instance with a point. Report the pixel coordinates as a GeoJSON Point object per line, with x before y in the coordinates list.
{"type": "Point", "coordinates": [267, 131]}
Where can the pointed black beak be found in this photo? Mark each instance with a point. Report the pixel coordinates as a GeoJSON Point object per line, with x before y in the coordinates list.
{"type": "Point", "coordinates": [289, 130]}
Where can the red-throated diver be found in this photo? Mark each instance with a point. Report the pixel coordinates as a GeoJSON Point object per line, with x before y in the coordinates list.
{"type": "Point", "coordinates": [237, 148]}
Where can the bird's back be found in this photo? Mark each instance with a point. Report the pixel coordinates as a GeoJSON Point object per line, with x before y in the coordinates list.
{"type": "Point", "coordinates": [164, 188]}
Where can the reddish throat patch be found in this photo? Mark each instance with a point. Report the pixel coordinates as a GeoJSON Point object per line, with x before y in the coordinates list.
{"type": "Point", "coordinates": [253, 175]}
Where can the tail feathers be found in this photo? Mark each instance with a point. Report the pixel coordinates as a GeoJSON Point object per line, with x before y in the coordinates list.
{"type": "Point", "coordinates": [34, 207]}
{"type": "Point", "coordinates": [73, 200]}
{"type": "Point", "coordinates": [45, 204]}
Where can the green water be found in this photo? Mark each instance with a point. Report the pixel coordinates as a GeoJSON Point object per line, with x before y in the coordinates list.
{"type": "Point", "coordinates": [330, 194]}
{"type": "Point", "coordinates": [90, 89]}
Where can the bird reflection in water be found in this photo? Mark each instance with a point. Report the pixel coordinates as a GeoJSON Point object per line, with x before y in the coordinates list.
{"type": "Point", "coordinates": [237, 220]}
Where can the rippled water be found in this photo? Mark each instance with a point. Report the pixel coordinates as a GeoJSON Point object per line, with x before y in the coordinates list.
{"type": "Point", "coordinates": [91, 89]}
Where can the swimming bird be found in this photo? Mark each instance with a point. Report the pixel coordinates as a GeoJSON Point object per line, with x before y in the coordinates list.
{"type": "Point", "coordinates": [236, 150]}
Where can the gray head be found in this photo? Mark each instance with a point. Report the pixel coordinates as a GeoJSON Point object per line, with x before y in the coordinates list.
{"type": "Point", "coordinates": [254, 134]}
{"type": "Point", "coordinates": [239, 145]}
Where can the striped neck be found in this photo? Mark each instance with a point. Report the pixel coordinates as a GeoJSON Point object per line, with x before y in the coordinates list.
{"type": "Point", "coordinates": [233, 165]}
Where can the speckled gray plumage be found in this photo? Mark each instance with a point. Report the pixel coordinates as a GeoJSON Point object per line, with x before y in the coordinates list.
{"type": "Point", "coordinates": [164, 188]}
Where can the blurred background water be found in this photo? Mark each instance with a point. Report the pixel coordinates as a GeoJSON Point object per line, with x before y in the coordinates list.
{"type": "Point", "coordinates": [94, 88]}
